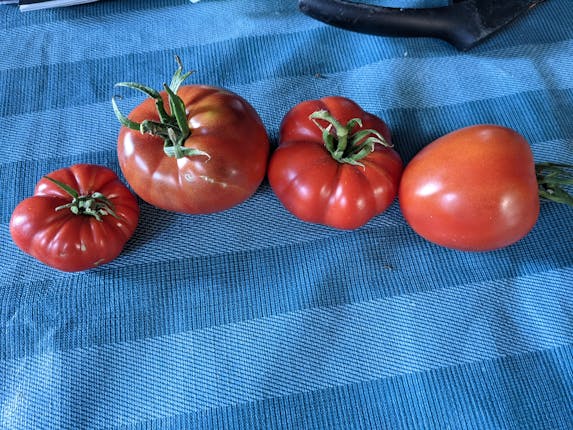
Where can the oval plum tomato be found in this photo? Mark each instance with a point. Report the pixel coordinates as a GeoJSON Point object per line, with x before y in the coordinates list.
{"type": "Point", "coordinates": [334, 164]}
{"type": "Point", "coordinates": [193, 149]}
{"type": "Point", "coordinates": [474, 189]}
{"type": "Point", "coordinates": [79, 217]}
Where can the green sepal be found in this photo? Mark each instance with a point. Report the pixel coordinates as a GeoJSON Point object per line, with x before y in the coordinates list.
{"type": "Point", "coordinates": [65, 187]}
{"type": "Point", "coordinates": [155, 128]}
{"type": "Point", "coordinates": [178, 111]}
{"type": "Point", "coordinates": [329, 140]}
{"type": "Point", "coordinates": [552, 178]}
{"type": "Point", "coordinates": [353, 123]}
{"type": "Point", "coordinates": [343, 145]}
{"type": "Point", "coordinates": [95, 204]}
{"type": "Point", "coordinates": [377, 138]}
{"type": "Point", "coordinates": [143, 88]}
{"type": "Point", "coordinates": [125, 121]}
{"type": "Point", "coordinates": [182, 151]}
{"type": "Point", "coordinates": [179, 77]}
{"type": "Point", "coordinates": [152, 93]}
{"type": "Point", "coordinates": [172, 128]}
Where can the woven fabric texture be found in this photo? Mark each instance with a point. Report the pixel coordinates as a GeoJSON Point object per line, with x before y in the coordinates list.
{"type": "Point", "coordinates": [250, 318]}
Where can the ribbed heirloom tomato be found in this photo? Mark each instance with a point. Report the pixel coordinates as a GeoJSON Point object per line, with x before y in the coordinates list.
{"type": "Point", "coordinates": [477, 189]}
{"type": "Point", "coordinates": [194, 149]}
{"type": "Point", "coordinates": [334, 164]}
{"type": "Point", "coordinates": [79, 217]}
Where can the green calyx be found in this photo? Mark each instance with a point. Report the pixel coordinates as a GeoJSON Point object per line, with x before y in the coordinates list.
{"type": "Point", "coordinates": [553, 178]}
{"type": "Point", "coordinates": [94, 204]}
{"type": "Point", "coordinates": [172, 128]}
{"type": "Point", "coordinates": [344, 145]}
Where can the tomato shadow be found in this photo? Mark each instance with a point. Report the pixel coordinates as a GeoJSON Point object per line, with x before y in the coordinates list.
{"type": "Point", "coordinates": [153, 223]}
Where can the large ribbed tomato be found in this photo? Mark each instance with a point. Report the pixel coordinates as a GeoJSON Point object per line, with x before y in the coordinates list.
{"type": "Point", "coordinates": [79, 217]}
{"type": "Point", "coordinates": [334, 164]}
{"type": "Point", "coordinates": [193, 149]}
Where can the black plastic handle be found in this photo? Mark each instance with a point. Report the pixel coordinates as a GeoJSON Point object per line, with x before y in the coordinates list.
{"type": "Point", "coordinates": [463, 23]}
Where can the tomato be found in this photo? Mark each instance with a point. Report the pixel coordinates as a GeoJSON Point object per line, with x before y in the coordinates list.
{"type": "Point", "coordinates": [193, 149]}
{"type": "Point", "coordinates": [474, 189]}
{"type": "Point", "coordinates": [79, 217]}
{"type": "Point", "coordinates": [334, 164]}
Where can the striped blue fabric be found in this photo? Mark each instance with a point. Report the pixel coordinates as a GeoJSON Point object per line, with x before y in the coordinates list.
{"type": "Point", "coordinates": [250, 318]}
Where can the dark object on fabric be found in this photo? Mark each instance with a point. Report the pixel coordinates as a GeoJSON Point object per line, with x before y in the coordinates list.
{"type": "Point", "coordinates": [464, 23]}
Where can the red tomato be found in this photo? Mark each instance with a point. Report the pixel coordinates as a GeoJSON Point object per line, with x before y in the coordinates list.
{"type": "Point", "coordinates": [336, 167]}
{"type": "Point", "coordinates": [214, 158]}
{"type": "Point", "coordinates": [81, 223]}
{"type": "Point", "coordinates": [474, 189]}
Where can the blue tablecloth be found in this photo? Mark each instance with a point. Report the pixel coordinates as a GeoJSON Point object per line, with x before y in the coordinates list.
{"type": "Point", "coordinates": [250, 318]}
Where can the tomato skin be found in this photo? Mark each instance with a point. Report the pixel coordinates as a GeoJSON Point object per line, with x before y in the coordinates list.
{"type": "Point", "coordinates": [314, 186]}
{"type": "Point", "coordinates": [474, 189]}
{"type": "Point", "coordinates": [222, 124]}
{"type": "Point", "coordinates": [69, 242]}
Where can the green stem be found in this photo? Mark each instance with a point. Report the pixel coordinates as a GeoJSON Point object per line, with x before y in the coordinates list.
{"type": "Point", "coordinates": [94, 204]}
{"type": "Point", "coordinates": [344, 145]}
{"type": "Point", "coordinates": [553, 180]}
{"type": "Point", "coordinates": [172, 128]}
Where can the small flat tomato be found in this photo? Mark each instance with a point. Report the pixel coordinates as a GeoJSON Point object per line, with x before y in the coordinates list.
{"type": "Point", "coordinates": [79, 217]}
{"type": "Point", "coordinates": [194, 149]}
{"type": "Point", "coordinates": [334, 164]}
{"type": "Point", "coordinates": [475, 189]}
